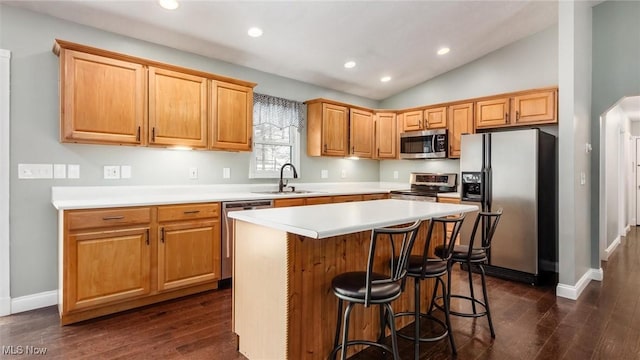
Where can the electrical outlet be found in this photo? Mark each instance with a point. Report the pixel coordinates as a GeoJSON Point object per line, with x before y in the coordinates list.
{"type": "Point", "coordinates": [343, 173]}
{"type": "Point", "coordinates": [59, 171]}
{"type": "Point", "coordinates": [324, 174]}
{"type": "Point", "coordinates": [395, 175]}
{"type": "Point", "coordinates": [583, 178]}
{"type": "Point", "coordinates": [226, 173]}
{"type": "Point", "coordinates": [193, 173]}
{"type": "Point", "coordinates": [111, 172]}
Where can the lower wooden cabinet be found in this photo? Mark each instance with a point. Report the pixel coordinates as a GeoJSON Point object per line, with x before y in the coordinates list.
{"type": "Point", "coordinates": [121, 258]}
{"type": "Point", "coordinates": [107, 266]}
{"type": "Point", "coordinates": [316, 200]}
{"type": "Point", "coordinates": [188, 253]}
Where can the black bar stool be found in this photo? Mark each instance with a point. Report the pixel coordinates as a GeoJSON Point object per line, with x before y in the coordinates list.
{"type": "Point", "coordinates": [369, 287]}
{"type": "Point", "coordinates": [422, 267]}
{"type": "Point", "coordinates": [475, 254]}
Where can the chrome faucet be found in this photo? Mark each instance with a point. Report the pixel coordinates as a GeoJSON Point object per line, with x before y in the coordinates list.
{"type": "Point", "coordinates": [283, 183]}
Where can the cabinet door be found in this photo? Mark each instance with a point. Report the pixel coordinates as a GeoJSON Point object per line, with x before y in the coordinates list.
{"type": "Point", "coordinates": [106, 266]}
{"type": "Point", "coordinates": [177, 109]}
{"type": "Point", "coordinates": [535, 108]}
{"type": "Point", "coordinates": [492, 113]}
{"type": "Point", "coordinates": [289, 202]}
{"type": "Point", "coordinates": [103, 100]}
{"type": "Point", "coordinates": [319, 200]}
{"type": "Point", "coordinates": [231, 116]}
{"type": "Point", "coordinates": [386, 136]}
{"type": "Point", "coordinates": [368, 197]}
{"type": "Point", "coordinates": [361, 133]}
{"type": "Point", "coordinates": [436, 118]}
{"type": "Point", "coordinates": [188, 254]}
{"type": "Point", "coordinates": [460, 122]}
{"type": "Point", "coordinates": [347, 198]}
{"type": "Point", "coordinates": [334, 130]}
{"type": "Point", "coordinates": [413, 120]}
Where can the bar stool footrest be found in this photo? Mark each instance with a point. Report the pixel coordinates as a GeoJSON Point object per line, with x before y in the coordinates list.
{"type": "Point", "coordinates": [462, 314]}
{"type": "Point", "coordinates": [384, 347]}
{"type": "Point", "coordinates": [428, 317]}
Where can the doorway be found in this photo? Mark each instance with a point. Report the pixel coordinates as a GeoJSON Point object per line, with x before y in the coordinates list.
{"type": "Point", "coordinates": [5, 286]}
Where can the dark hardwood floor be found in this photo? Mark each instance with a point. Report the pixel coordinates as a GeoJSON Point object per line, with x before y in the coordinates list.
{"type": "Point", "coordinates": [530, 323]}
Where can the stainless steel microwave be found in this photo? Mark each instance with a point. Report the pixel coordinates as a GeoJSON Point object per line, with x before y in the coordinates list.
{"type": "Point", "coordinates": [428, 144]}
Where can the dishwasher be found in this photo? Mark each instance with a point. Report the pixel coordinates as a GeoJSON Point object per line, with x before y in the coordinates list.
{"type": "Point", "coordinates": [226, 252]}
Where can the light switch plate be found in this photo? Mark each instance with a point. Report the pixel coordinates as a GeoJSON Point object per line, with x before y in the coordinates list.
{"type": "Point", "coordinates": [343, 173]}
{"type": "Point", "coordinates": [59, 171]}
{"type": "Point", "coordinates": [73, 171]}
{"type": "Point", "coordinates": [324, 174]}
{"type": "Point", "coordinates": [125, 171]}
{"type": "Point", "coordinates": [35, 171]}
{"type": "Point", "coordinates": [395, 174]}
{"type": "Point", "coordinates": [226, 173]}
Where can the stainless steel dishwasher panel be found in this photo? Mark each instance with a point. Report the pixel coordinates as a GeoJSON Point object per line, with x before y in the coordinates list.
{"type": "Point", "coordinates": [226, 253]}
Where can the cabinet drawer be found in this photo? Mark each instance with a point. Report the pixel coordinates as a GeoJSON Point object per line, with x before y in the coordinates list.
{"type": "Point", "coordinates": [347, 198]}
{"type": "Point", "coordinates": [368, 197]}
{"type": "Point", "coordinates": [86, 219]}
{"type": "Point", "coordinates": [188, 212]}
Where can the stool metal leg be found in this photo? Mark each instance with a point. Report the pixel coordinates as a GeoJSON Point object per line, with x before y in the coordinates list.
{"type": "Point", "coordinates": [445, 297]}
{"type": "Point", "coordinates": [392, 325]}
{"type": "Point", "coordinates": [486, 300]}
{"type": "Point", "coordinates": [338, 323]}
{"type": "Point", "coordinates": [473, 303]}
{"type": "Point", "coordinates": [383, 324]}
{"type": "Point", "coordinates": [416, 307]}
{"type": "Point", "coordinates": [345, 332]}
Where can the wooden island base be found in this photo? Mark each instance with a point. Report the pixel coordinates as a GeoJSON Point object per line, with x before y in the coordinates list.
{"type": "Point", "coordinates": [283, 305]}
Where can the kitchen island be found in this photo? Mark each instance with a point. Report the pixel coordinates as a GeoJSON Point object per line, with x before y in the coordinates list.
{"type": "Point", "coordinates": [285, 258]}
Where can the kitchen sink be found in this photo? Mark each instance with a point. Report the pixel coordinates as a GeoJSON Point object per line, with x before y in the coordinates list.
{"type": "Point", "coordinates": [276, 192]}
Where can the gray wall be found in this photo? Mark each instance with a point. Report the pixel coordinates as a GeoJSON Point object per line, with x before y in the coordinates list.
{"type": "Point", "coordinates": [616, 73]}
{"type": "Point", "coordinates": [610, 147]}
{"type": "Point", "coordinates": [574, 64]}
{"type": "Point", "coordinates": [529, 63]}
{"type": "Point", "coordinates": [34, 137]}
{"type": "Point", "coordinates": [634, 128]}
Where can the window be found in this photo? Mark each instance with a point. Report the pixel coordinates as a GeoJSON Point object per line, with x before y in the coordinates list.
{"type": "Point", "coordinates": [276, 136]}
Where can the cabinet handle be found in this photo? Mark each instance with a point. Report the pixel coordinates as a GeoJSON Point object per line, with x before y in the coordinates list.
{"type": "Point", "coordinates": [191, 212]}
{"type": "Point", "coordinates": [107, 218]}
{"type": "Point", "coordinates": [325, 148]}
{"type": "Point", "coordinates": [147, 236]}
{"type": "Point", "coordinates": [378, 152]}
{"type": "Point", "coordinates": [138, 134]}
{"type": "Point", "coordinates": [162, 235]}
{"type": "Point", "coordinates": [353, 149]}
{"type": "Point", "coordinates": [506, 118]}
{"type": "Point", "coordinates": [153, 134]}
{"type": "Point", "coordinates": [517, 115]}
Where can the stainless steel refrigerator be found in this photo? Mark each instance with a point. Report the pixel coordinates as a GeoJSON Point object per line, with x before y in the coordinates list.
{"type": "Point", "coordinates": [514, 171]}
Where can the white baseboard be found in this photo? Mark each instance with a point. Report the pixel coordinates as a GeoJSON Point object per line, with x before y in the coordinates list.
{"type": "Point", "coordinates": [5, 306]}
{"type": "Point", "coordinates": [35, 301]}
{"type": "Point", "coordinates": [627, 229]}
{"type": "Point", "coordinates": [611, 248]}
{"type": "Point", "coordinates": [573, 291]}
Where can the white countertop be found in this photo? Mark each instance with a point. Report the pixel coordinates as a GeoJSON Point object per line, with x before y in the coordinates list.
{"type": "Point", "coordinates": [321, 221]}
{"type": "Point", "coordinates": [87, 197]}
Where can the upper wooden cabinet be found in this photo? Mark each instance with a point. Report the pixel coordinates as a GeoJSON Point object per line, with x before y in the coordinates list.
{"type": "Point", "coordinates": [435, 118]}
{"type": "Point", "coordinates": [493, 113]}
{"type": "Point", "coordinates": [524, 108]}
{"type": "Point", "coordinates": [413, 120]}
{"type": "Point", "coordinates": [536, 108]}
{"type": "Point", "coordinates": [231, 116]}
{"type": "Point", "coordinates": [386, 135]}
{"type": "Point", "coordinates": [361, 133]}
{"type": "Point", "coordinates": [112, 98]}
{"type": "Point", "coordinates": [460, 122]}
{"type": "Point", "coordinates": [177, 108]}
{"type": "Point", "coordinates": [102, 100]}
{"type": "Point", "coordinates": [327, 129]}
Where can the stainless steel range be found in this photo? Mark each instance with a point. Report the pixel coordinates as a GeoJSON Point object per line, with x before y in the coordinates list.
{"type": "Point", "coordinates": [426, 186]}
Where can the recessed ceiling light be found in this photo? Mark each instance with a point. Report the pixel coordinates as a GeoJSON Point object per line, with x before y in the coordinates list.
{"type": "Point", "coordinates": [350, 64]}
{"type": "Point", "coordinates": [169, 4]}
{"type": "Point", "coordinates": [255, 32]}
{"type": "Point", "coordinates": [443, 51]}
{"type": "Point", "coordinates": [385, 78]}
